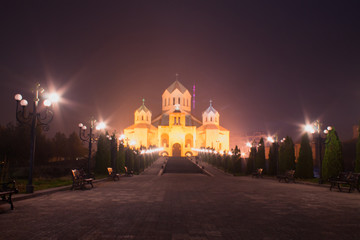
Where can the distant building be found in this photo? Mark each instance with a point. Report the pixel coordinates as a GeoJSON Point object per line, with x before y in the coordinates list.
{"type": "Point", "coordinates": [176, 129]}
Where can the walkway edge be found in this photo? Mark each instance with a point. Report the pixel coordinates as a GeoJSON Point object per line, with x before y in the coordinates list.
{"type": "Point", "coordinates": [24, 196]}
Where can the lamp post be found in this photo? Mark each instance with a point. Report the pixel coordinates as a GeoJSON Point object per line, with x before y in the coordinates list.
{"type": "Point", "coordinates": [90, 137]}
{"type": "Point", "coordinates": [319, 139]}
{"type": "Point", "coordinates": [38, 117]}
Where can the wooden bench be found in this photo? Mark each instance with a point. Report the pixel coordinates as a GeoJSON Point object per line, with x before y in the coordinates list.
{"type": "Point", "coordinates": [349, 179]}
{"type": "Point", "coordinates": [128, 173]}
{"type": "Point", "coordinates": [80, 179]}
{"type": "Point", "coordinates": [288, 176]}
{"type": "Point", "coordinates": [113, 175]}
{"type": "Point", "coordinates": [258, 173]}
{"type": "Point", "coordinates": [6, 191]}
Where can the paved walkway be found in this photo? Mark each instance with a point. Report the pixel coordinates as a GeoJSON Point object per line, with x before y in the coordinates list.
{"type": "Point", "coordinates": [186, 206]}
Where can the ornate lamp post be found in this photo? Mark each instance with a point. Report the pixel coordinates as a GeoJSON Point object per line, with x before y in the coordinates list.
{"type": "Point", "coordinates": [34, 119]}
{"type": "Point", "coordinates": [90, 137]}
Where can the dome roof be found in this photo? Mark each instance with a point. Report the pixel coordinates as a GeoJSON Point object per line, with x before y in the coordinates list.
{"type": "Point", "coordinates": [210, 109]}
{"type": "Point", "coordinates": [143, 107]}
{"type": "Point", "coordinates": [176, 85]}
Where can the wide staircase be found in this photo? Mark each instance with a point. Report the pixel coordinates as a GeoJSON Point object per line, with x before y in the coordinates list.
{"type": "Point", "coordinates": [181, 165]}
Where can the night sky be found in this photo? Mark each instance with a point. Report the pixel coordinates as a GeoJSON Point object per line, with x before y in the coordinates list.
{"type": "Point", "coordinates": [267, 65]}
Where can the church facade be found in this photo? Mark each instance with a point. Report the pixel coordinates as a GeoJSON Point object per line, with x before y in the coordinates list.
{"type": "Point", "coordinates": [176, 130]}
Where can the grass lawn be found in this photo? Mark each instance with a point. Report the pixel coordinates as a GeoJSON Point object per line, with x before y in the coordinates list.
{"type": "Point", "coordinates": [44, 183]}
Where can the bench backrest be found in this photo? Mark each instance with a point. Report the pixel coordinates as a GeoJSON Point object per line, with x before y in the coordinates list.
{"type": "Point", "coordinates": [75, 174]}
{"type": "Point", "coordinates": [290, 173]}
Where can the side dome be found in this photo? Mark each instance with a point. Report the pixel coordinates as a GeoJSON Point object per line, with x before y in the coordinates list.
{"type": "Point", "coordinates": [210, 115]}
{"type": "Point", "coordinates": [143, 114]}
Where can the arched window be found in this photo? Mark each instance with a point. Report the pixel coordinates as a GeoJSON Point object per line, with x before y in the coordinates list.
{"type": "Point", "coordinates": [187, 102]}
{"type": "Point", "coordinates": [178, 120]}
{"type": "Point", "coordinates": [164, 101]}
{"type": "Point", "coordinates": [206, 119]}
{"type": "Point", "coordinates": [142, 118]}
{"type": "Point", "coordinates": [173, 101]}
{"type": "Point", "coordinates": [188, 141]}
{"type": "Point", "coordinates": [174, 120]}
{"type": "Point", "coordinates": [168, 102]}
{"type": "Point", "coordinates": [164, 140]}
{"type": "Point", "coordinates": [147, 118]}
{"type": "Point", "coordinates": [210, 119]}
{"type": "Point", "coordinates": [178, 100]}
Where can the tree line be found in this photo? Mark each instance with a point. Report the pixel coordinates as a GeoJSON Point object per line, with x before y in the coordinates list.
{"type": "Point", "coordinates": [282, 158]}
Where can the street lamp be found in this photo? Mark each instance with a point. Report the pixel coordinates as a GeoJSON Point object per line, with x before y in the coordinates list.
{"type": "Point", "coordinates": [34, 119]}
{"type": "Point", "coordinates": [90, 137]}
{"type": "Point", "coordinates": [315, 130]}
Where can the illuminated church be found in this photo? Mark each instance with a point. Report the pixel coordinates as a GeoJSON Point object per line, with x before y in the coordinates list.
{"type": "Point", "coordinates": [176, 129]}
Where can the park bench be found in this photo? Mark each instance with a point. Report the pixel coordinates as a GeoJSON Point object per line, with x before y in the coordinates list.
{"type": "Point", "coordinates": [6, 191]}
{"type": "Point", "coordinates": [113, 175]}
{"type": "Point", "coordinates": [288, 176]}
{"type": "Point", "coordinates": [128, 173]}
{"type": "Point", "coordinates": [258, 173]}
{"type": "Point", "coordinates": [348, 179]}
{"type": "Point", "coordinates": [80, 179]}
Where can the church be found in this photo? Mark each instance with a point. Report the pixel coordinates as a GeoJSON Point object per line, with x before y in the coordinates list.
{"type": "Point", "coordinates": [176, 130]}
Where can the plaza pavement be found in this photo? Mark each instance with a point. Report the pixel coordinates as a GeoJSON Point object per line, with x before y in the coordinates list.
{"type": "Point", "coordinates": [186, 206]}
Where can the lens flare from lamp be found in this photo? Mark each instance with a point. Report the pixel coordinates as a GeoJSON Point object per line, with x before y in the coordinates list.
{"type": "Point", "coordinates": [100, 126]}
{"type": "Point", "coordinates": [270, 139]}
{"type": "Point", "coordinates": [248, 144]}
{"type": "Point", "coordinates": [309, 128]}
{"type": "Point", "coordinates": [81, 125]}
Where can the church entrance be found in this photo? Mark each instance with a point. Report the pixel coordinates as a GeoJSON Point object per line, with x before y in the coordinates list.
{"type": "Point", "coordinates": [176, 150]}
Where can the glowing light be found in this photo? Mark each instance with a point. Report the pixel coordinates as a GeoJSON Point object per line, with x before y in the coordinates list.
{"type": "Point", "coordinates": [122, 137]}
{"type": "Point", "coordinates": [230, 153]}
{"type": "Point", "coordinates": [309, 128]}
{"type": "Point", "coordinates": [132, 143]}
{"type": "Point", "coordinates": [23, 103]}
{"type": "Point", "coordinates": [221, 152]}
{"type": "Point", "coordinates": [47, 103]}
{"type": "Point", "coordinates": [270, 139]}
{"type": "Point", "coordinates": [54, 97]}
{"type": "Point", "coordinates": [329, 128]}
{"type": "Point", "coordinates": [100, 126]}
{"type": "Point", "coordinates": [326, 131]}
{"type": "Point", "coordinates": [243, 154]}
{"type": "Point", "coordinates": [248, 144]}
{"type": "Point", "coordinates": [18, 97]}
{"type": "Point", "coordinates": [81, 125]}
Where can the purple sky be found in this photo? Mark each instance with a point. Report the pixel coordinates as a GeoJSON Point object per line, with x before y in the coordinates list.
{"type": "Point", "coordinates": [267, 65]}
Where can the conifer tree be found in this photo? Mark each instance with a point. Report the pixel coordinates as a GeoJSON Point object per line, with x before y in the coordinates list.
{"type": "Point", "coordinates": [102, 156]}
{"type": "Point", "coordinates": [304, 166]}
{"type": "Point", "coordinates": [121, 159]}
{"type": "Point", "coordinates": [236, 159]}
{"type": "Point", "coordinates": [357, 161]}
{"type": "Point", "coordinates": [332, 163]}
{"type": "Point", "coordinates": [273, 158]}
{"type": "Point", "coordinates": [260, 156]}
{"type": "Point", "coordinates": [250, 166]}
{"type": "Point", "coordinates": [287, 155]}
